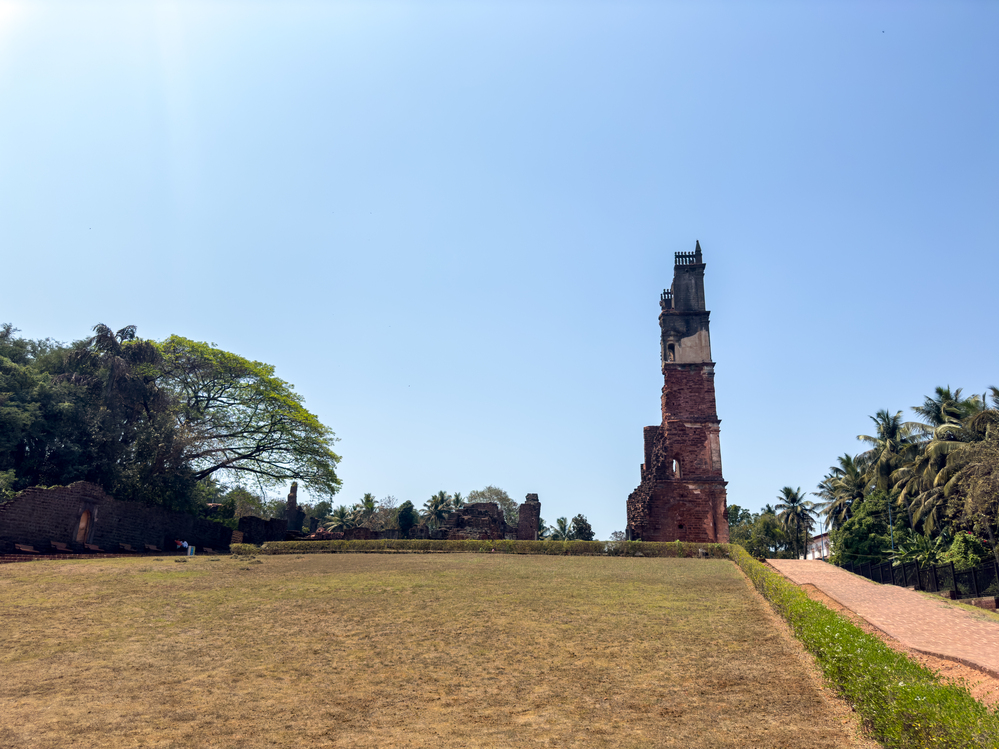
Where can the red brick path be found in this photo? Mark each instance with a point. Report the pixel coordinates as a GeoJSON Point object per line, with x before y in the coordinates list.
{"type": "Point", "coordinates": [915, 619]}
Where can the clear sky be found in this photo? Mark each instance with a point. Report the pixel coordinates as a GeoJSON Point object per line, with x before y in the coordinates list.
{"type": "Point", "coordinates": [449, 223]}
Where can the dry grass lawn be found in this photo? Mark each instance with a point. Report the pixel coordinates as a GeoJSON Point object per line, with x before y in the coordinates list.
{"type": "Point", "coordinates": [407, 650]}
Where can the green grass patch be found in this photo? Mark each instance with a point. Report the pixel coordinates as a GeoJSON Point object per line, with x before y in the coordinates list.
{"type": "Point", "coordinates": [903, 703]}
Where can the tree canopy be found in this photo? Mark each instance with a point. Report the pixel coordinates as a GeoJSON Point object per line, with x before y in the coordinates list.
{"type": "Point", "coordinates": [236, 417]}
{"type": "Point", "coordinates": [924, 486]}
{"type": "Point", "coordinates": [578, 529]}
{"type": "Point", "coordinates": [581, 529]}
{"type": "Point", "coordinates": [761, 534]}
{"type": "Point", "coordinates": [150, 420]}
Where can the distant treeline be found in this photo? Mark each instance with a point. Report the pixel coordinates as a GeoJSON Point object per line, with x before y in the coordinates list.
{"type": "Point", "coordinates": [924, 490]}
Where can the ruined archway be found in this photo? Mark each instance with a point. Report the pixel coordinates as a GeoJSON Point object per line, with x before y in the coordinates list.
{"type": "Point", "coordinates": [83, 531]}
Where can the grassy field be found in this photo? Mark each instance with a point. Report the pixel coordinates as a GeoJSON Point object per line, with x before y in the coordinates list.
{"type": "Point", "coordinates": [442, 650]}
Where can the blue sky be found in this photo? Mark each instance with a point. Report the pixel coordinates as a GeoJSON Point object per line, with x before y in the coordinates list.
{"type": "Point", "coordinates": [448, 224]}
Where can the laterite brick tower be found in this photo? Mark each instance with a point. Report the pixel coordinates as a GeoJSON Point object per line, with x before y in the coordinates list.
{"type": "Point", "coordinates": [682, 494]}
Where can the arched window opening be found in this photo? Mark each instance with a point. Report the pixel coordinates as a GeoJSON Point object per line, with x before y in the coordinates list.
{"type": "Point", "coordinates": [676, 468]}
{"type": "Point", "coordinates": [84, 529]}
{"type": "Point", "coordinates": [670, 352]}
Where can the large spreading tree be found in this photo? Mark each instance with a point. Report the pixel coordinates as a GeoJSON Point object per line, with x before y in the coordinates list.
{"type": "Point", "coordinates": [151, 421]}
{"type": "Point", "coordinates": [236, 418]}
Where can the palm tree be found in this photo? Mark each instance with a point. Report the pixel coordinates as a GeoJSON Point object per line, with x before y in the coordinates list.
{"type": "Point", "coordinates": [561, 531]}
{"type": "Point", "coordinates": [367, 506]}
{"type": "Point", "coordinates": [947, 407]}
{"type": "Point", "coordinates": [362, 512]}
{"type": "Point", "coordinates": [106, 350]}
{"type": "Point", "coordinates": [826, 493]}
{"type": "Point", "coordinates": [437, 508]}
{"type": "Point", "coordinates": [795, 515]}
{"type": "Point", "coordinates": [921, 549]}
{"type": "Point", "coordinates": [457, 501]}
{"type": "Point", "coordinates": [124, 365]}
{"type": "Point", "coordinates": [894, 444]}
{"type": "Point", "coordinates": [136, 437]}
{"type": "Point", "coordinates": [944, 415]}
{"type": "Point", "coordinates": [933, 474]}
{"type": "Point", "coordinates": [976, 482]}
{"type": "Point", "coordinates": [917, 479]}
{"type": "Point", "coordinates": [929, 508]}
{"type": "Point", "coordinates": [843, 487]}
{"type": "Point", "coordinates": [985, 419]}
{"type": "Point", "coordinates": [340, 520]}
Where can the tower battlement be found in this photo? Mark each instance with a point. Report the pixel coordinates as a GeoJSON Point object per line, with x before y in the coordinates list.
{"type": "Point", "coordinates": [689, 258]}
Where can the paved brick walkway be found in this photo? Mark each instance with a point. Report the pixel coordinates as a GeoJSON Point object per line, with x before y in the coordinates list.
{"type": "Point", "coordinates": [915, 619]}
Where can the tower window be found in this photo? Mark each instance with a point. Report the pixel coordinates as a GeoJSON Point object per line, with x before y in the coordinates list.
{"type": "Point", "coordinates": [670, 352]}
{"type": "Point", "coordinates": [676, 468]}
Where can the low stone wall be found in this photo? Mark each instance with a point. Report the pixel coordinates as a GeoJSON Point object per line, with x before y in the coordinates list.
{"type": "Point", "coordinates": [259, 531]}
{"type": "Point", "coordinates": [6, 558]}
{"type": "Point", "coordinates": [38, 516]}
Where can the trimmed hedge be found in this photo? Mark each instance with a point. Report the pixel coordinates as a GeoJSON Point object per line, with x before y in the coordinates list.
{"type": "Point", "coordinates": [243, 549]}
{"type": "Point", "coordinates": [556, 548]}
{"type": "Point", "coordinates": [903, 704]}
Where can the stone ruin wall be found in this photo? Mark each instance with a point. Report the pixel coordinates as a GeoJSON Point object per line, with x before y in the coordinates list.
{"type": "Point", "coordinates": [38, 515]}
{"type": "Point", "coordinates": [482, 521]}
{"type": "Point", "coordinates": [529, 516]}
{"type": "Point", "coordinates": [259, 531]}
{"type": "Point", "coordinates": [690, 506]}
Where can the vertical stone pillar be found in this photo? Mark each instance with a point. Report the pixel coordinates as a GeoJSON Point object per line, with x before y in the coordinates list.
{"type": "Point", "coordinates": [291, 511]}
{"type": "Point", "coordinates": [528, 518]}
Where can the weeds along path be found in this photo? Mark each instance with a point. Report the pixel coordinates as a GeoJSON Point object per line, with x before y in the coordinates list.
{"type": "Point", "coordinates": [444, 650]}
{"type": "Point", "coordinates": [982, 686]}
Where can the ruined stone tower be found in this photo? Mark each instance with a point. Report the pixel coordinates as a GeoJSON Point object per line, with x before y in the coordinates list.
{"type": "Point", "coordinates": [682, 494]}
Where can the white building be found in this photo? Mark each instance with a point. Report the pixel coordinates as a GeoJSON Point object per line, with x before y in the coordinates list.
{"type": "Point", "coordinates": [818, 547]}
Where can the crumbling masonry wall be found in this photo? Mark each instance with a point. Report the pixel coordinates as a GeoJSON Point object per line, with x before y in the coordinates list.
{"type": "Point", "coordinates": [259, 531]}
{"type": "Point", "coordinates": [528, 517]}
{"type": "Point", "coordinates": [482, 521]}
{"type": "Point", "coordinates": [37, 516]}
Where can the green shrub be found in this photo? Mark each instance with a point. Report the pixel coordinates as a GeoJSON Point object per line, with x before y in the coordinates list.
{"type": "Point", "coordinates": [547, 546]}
{"type": "Point", "coordinates": [903, 704]}
{"type": "Point", "coordinates": [406, 517]}
{"type": "Point", "coordinates": [967, 551]}
{"type": "Point", "coordinates": [243, 549]}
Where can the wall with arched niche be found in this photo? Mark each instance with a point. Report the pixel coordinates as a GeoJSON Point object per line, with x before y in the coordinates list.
{"type": "Point", "coordinates": [84, 513]}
